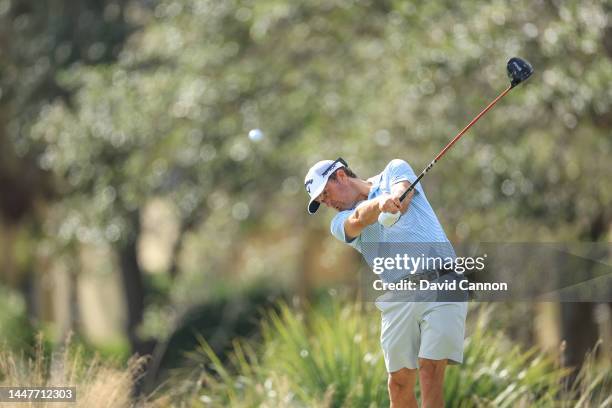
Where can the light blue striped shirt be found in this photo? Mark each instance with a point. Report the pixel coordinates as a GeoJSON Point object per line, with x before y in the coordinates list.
{"type": "Point", "coordinates": [418, 232]}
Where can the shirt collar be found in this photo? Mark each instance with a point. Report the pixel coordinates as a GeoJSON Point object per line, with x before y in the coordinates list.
{"type": "Point", "coordinates": [376, 180]}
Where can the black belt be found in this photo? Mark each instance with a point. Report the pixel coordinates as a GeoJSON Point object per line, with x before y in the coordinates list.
{"type": "Point", "coordinates": [428, 275]}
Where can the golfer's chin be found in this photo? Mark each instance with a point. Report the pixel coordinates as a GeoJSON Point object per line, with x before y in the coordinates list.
{"type": "Point", "coordinates": [345, 207]}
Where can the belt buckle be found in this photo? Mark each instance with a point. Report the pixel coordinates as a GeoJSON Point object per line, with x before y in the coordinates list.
{"type": "Point", "coordinates": [411, 278]}
{"type": "Point", "coordinates": [431, 275]}
{"type": "Point", "coordinates": [428, 276]}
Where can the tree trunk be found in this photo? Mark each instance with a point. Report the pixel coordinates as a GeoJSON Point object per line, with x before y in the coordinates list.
{"type": "Point", "coordinates": [131, 277]}
{"type": "Point", "coordinates": [579, 327]}
{"type": "Point", "coordinates": [579, 331]}
{"type": "Point", "coordinates": [8, 269]}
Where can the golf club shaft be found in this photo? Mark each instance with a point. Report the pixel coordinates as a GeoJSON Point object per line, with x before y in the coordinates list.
{"type": "Point", "coordinates": [452, 142]}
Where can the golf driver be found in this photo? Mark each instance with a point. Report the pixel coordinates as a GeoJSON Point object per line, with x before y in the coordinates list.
{"type": "Point", "coordinates": [518, 71]}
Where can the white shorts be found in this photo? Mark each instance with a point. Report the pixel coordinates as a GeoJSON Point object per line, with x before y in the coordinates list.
{"type": "Point", "coordinates": [413, 330]}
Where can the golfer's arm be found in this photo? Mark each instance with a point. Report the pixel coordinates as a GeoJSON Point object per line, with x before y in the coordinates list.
{"type": "Point", "coordinates": [368, 211]}
{"type": "Point", "coordinates": [398, 189]}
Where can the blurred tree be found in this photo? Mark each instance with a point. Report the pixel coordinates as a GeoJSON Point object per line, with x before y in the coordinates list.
{"type": "Point", "coordinates": [38, 39]}
{"type": "Point", "coordinates": [372, 81]}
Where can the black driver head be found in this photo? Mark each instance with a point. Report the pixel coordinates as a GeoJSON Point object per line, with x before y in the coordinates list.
{"type": "Point", "coordinates": [518, 71]}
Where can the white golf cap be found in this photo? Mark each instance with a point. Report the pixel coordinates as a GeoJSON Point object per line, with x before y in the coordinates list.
{"type": "Point", "coordinates": [316, 179]}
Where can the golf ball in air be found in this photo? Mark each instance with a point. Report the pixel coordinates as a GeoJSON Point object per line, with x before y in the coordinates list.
{"type": "Point", "coordinates": [256, 135]}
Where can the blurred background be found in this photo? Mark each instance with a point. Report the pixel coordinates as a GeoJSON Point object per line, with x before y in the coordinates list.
{"type": "Point", "coordinates": [137, 215]}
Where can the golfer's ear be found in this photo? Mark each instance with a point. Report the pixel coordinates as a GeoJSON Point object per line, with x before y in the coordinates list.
{"type": "Point", "coordinates": [341, 175]}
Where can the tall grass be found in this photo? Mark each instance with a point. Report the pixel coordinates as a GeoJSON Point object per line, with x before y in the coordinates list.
{"type": "Point", "coordinates": [593, 385]}
{"type": "Point", "coordinates": [338, 365]}
{"type": "Point", "coordinates": [326, 356]}
{"type": "Point", "coordinates": [330, 357]}
{"type": "Point", "coordinates": [98, 384]}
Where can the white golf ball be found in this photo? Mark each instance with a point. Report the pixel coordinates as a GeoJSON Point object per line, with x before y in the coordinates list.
{"type": "Point", "coordinates": [256, 135]}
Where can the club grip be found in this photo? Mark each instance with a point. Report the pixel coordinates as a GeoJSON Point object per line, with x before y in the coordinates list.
{"type": "Point", "coordinates": [388, 219]}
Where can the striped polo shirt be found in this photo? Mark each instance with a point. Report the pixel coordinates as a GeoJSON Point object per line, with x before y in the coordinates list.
{"type": "Point", "coordinates": [418, 232]}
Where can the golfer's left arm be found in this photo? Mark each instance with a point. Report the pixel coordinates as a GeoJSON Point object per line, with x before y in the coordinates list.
{"type": "Point", "coordinates": [368, 211]}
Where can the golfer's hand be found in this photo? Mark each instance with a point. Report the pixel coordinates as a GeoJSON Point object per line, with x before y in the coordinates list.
{"type": "Point", "coordinates": [404, 204]}
{"type": "Point", "coordinates": [389, 204]}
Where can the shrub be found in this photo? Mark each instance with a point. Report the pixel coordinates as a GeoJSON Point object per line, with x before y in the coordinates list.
{"type": "Point", "coordinates": [98, 384]}
{"type": "Point", "coordinates": [330, 357]}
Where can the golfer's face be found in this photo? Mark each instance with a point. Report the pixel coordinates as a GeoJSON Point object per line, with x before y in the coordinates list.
{"type": "Point", "coordinates": [337, 195]}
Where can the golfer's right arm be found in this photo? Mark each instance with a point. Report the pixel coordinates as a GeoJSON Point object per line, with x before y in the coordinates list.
{"type": "Point", "coordinates": [367, 213]}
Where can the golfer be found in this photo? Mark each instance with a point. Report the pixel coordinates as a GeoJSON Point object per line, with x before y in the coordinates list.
{"type": "Point", "coordinates": [424, 335]}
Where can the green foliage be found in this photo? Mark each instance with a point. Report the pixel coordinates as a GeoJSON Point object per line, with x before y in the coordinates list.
{"type": "Point", "coordinates": [171, 116]}
{"type": "Point", "coordinates": [168, 113]}
{"type": "Point", "coordinates": [497, 373]}
{"type": "Point", "coordinates": [38, 41]}
{"type": "Point", "coordinates": [304, 360]}
{"type": "Point", "coordinates": [17, 333]}
{"type": "Point", "coordinates": [368, 82]}
{"type": "Point", "coordinates": [330, 357]}
{"type": "Point", "coordinates": [219, 319]}
{"type": "Point", "coordinates": [593, 385]}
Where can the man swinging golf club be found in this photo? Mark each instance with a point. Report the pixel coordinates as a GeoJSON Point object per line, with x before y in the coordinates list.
{"type": "Point", "coordinates": [424, 335]}
{"type": "Point", "coordinates": [391, 207]}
